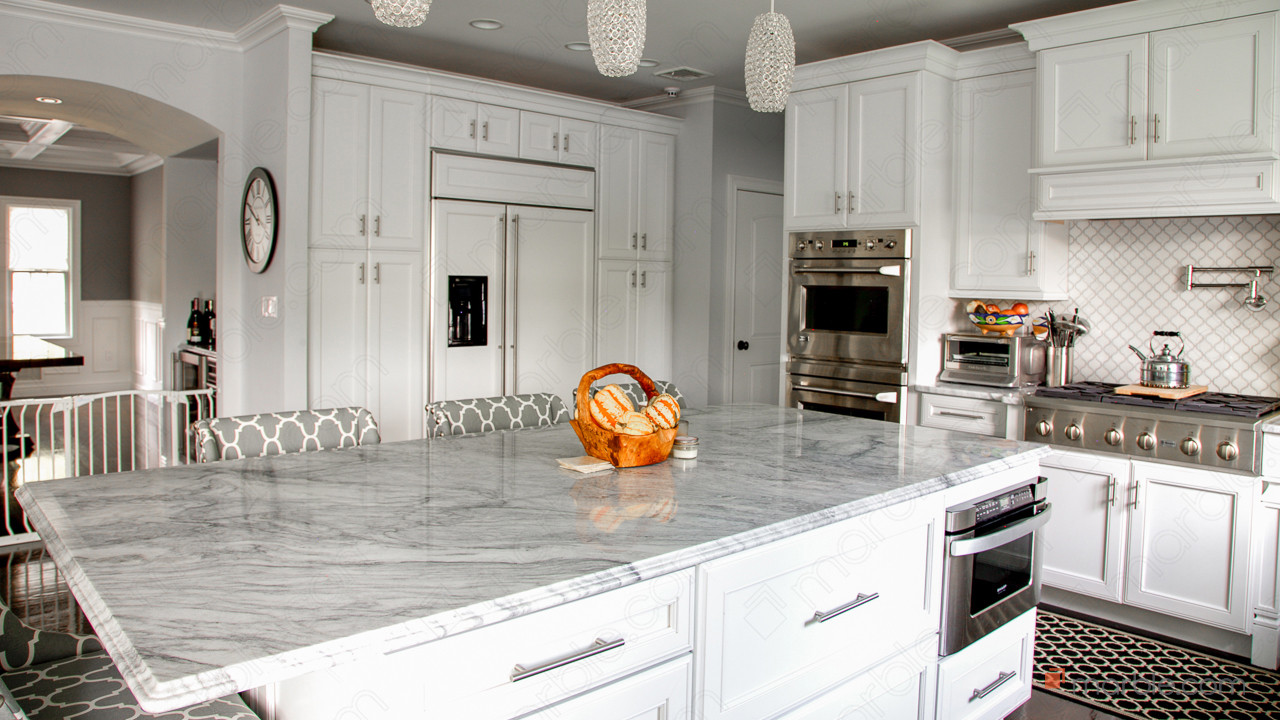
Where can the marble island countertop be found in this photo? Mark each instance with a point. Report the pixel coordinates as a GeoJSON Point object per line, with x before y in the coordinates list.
{"type": "Point", "coordinates": [207, 579]}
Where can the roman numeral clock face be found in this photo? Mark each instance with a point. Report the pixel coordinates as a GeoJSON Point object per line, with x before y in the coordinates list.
{"type": "Point", "coordinates": [258, 220]}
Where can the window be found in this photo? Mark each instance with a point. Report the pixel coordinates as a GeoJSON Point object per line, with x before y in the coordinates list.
{"type": "Point", "coordinates": [41, 247]}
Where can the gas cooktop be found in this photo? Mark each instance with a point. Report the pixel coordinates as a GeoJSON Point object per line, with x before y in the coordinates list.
{"type": "Point", "coordinates": [1215, 430]}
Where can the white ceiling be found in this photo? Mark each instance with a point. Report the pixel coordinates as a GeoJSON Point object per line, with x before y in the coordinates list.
{"type": "Point", "coordinates": [705, 34]}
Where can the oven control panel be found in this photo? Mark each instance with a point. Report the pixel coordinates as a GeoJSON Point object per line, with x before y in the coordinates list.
{"type": "Point", "coordinates": [851, 244]}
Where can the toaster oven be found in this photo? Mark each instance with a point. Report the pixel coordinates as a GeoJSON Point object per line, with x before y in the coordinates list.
{"type": "Point", "coordinates": [992, 360]}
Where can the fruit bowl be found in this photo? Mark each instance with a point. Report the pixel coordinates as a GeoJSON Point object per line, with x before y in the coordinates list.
{"type": "Point", "coordinates": [990, 319]}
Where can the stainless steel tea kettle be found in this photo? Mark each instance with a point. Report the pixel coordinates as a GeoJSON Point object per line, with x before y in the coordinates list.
{"type": "Point", "coordinates": [1164, 369]}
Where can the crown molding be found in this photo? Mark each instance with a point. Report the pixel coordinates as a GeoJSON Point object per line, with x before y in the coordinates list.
{"type": "Point", "coordinates": [278, 18]}
{"type": "Point", "coordinates": [696, 96]}
{"type": "Point", "coordinates": [97, 20]}
{"type": "Point", "coordinates": [926, 55]}
{"type": "Point", "coordinates": [1133, 18]}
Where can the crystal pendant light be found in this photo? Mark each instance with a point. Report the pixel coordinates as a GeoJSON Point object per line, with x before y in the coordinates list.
{"type": "Point", "coordinates": [401, 13]}
{"type": "Point", "coordinates": [771, 62]}
{"type": "Point", "coordinates": [616, 31]}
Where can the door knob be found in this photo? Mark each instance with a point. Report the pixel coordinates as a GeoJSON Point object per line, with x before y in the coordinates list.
{"type": "Point", "coordinates": [743, 344]}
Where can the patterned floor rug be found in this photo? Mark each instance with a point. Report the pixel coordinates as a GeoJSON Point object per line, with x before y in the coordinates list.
{"type": "Point", "coordinates": [1136, 677]}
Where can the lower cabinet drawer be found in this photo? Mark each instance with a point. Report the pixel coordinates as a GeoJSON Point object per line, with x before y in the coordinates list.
{"type": "Point", "coordinates": [787, 621]}
{"type": "Point", "coordinates": [984, 417]}
{"type": "Point", "coordinates": [990, 678]}
{"type": "Point", "coordinates": [901, 689]}
{"type": "Point", "coordinates": [660, 693]}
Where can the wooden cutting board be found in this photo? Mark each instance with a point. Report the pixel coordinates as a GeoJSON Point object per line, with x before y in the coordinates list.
{"type": "Point", "coordinates": [1167, 393]}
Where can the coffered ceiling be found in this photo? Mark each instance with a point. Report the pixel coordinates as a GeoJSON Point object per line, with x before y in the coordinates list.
{"type": "Point", "coordinates": [708, 35]}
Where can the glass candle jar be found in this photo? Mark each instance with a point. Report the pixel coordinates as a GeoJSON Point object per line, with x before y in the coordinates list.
{"type": "Point", "coordinates": [685, 447]}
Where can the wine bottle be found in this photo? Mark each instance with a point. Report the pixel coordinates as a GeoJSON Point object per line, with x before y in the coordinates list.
{"type": "Point", "coordinates": [210, 325]}
{"type": "Point", "coordinates": [195, 326]}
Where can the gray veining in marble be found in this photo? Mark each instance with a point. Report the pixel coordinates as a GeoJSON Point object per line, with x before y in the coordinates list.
{"type": "Point", "coordinates": [1008, 396]}
{"type": "Point", "coordinates": [207, 579]}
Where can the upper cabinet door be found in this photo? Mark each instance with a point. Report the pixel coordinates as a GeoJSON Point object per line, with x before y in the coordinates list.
{"type": "Point", "coordinates": [497, 131]}
{"type": "Point", "coordinates": [1213, 88]}
{"type": "Point", "coordinates": [1092, 102]}
{"type": "Point", "coordinates": [339, 163]}
{"type": "Point", "coordinates": [578, 142]}
{"type": "Point", "coordinates": [816, 152]}
{"type": "Point", "coordinates": [539, 136]}
{"type": "Point", "coordinates": [398, 172]}
{"type": "Point", "coordinates": [884, 152]}
{"type": "Point", "coordinates": [618, 183]}
{"type": "Point", "coordinates": [453, 124]}
{"type": "Point", "coordinates": [657, 195]}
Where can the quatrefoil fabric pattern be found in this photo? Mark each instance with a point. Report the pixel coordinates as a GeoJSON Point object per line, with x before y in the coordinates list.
{"type": "Point", "coordinates": [243, 436]}
{"type": "Point", "coordinates": [504, 412]}
{"type": "Point", "coordinates": [638, 398]}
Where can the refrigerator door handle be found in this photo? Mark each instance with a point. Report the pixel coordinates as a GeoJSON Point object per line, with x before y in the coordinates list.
{"type": "Point", "coordinates": [512, 290]}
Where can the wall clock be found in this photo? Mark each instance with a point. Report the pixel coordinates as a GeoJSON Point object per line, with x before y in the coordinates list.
{"type": "Point", "coordinates": [258, 220]}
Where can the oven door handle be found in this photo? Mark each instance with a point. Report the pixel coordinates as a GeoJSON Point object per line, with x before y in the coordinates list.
{"type": "Point", "coordinates": [894, 270]}
{"type": "Point", "coordinates": [884, 397]}
{"type": "Point", "coordinates": [972, 546]}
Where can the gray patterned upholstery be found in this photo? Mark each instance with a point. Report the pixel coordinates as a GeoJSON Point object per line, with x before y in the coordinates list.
{"type": "Point", "coordinates": [60, 676]}
{"type": "Point", "coordinates": [637, 395]}
{"type": "Point", "coordinates": [504, 412]}
{"type": "Point", "coordinates": [228, 438]}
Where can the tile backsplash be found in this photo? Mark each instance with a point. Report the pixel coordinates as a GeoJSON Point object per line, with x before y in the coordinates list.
{"type": "Point", "coordinates": [1128, 278]}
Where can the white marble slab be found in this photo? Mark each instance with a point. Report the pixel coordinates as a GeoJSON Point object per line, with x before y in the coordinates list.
{"type": "Point", "coordinates": [207, 579]}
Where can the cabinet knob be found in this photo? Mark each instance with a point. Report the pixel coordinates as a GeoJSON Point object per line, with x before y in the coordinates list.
{"type": "Point", "coordinates": [1228, 451]}
{"type": "Point", "coordinates": [1147, 441]}
{"type": "Point", "coordinates": [1112, 437]}
{"type": "Point", "coordinates": [1073, 432]}
{"type": "Point", "coordinates": [743, 344]}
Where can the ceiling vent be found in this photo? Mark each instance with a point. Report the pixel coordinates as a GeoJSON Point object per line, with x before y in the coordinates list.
{"type": "Point", "coordinates": [683, 74]}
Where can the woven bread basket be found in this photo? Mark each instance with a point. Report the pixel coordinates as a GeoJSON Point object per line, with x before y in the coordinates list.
{"type": "Point", "coordinates": [619, 450]}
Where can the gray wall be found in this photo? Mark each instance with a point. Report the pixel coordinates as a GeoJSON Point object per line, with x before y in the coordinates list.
{"type": "Point", "coordinates": [190, 242]}
{"type": "Point", "coordinates": [147, 238]}
{"type": "Point", "coordinates": [105, 223]}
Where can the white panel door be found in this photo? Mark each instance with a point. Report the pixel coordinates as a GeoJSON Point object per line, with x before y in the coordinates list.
{"type": "Point", "coordinates": [1093, 101]}
{"type": "Point", "coordinates": [578, 142]}
{"type": "Point", "coordinates": [1213, 88]}
{"type": "Point", "coordinates": [758, 261]}
{"type": "Point", "coordinates": [619, 190]}
{"type": "Point", "coordinates": [339, 163]}
{"type": "Point", "coordinates": [1189, 543]}
{"type": "Point", "coordinates": [816, 158]}
{"type": "Point", "coordinates": [467, 239]}
{"type": "Point", "coordinates": [654, 319]}
{"type": "Point", "coordinates": [551, 301]}
{"type": "Point", "coordinates": [398, 169]}
{"type": "Point", "coordinates": [539, 136]}
{"type": "Point", "coordinates": [395, 343]}
{"type": "Point", "coordinates": [498, 130]}
{"type": "Point", "coordinates": [657, 196]}
{"type": "Point", "coordinates": [453, 124]}
{"type": "Point", "coordinates": [884, 152]}
{"type": "Point", "coordinates": [617, 281]}
{"type": "Point", "coordinates": [338, 323]}
{"type": "Point", "coordinates": [1084, 541]}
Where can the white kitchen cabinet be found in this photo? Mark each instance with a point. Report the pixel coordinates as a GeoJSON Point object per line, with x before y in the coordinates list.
{"type": "Point", "coordinates": [902, 689]}
{"type": "Point", "coordinates": [992, 677]}
{"type": "Point", "coordinates": [972, 415]}
{"type": "Point", "coordinates": [998, 250]}
{"type": "Point", "coordinates": [555, 139]}
{"type": "Point", "coordinates": [1084, 542]}
{"type": "Point", "coordinates": [1198, 91]}
{"type": "Point", "coordinates": [474, 127]}
{"type": "Point", "coordinates": [1189, 538]}
{"type": "Point", "coordinates": [661, 693]}
{"type": "Point", "coordinates": [789, 620]}
{"type": "Point", "coordinates": [1266, 560]}
{"type": "Point", "coordinates": [365, 336]}
{"type": "Point", "coordinates": [368, 167]}
{"type": "Point", "coordinates": [636, 204]}
{"type": "Point", "coordinates": [853, 155]}
{"type": "Point", "coordinates": [634, 315]}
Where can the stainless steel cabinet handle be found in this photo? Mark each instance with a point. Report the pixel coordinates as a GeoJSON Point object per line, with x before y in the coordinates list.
{"type": "Point", "coordinates": [1135, 494]}
{"type": "Point", "coordinates": [377, 273]}
{"type": "Point", "coordinates": [555, 141]}
{"type": "Point", "coordinates": [1111, 490]}
{"type": "Point", "coordinates": [644, 278]}
{"type": "Point", "coordinates": [566, 142]}
{"type": "Point", "coordinates": [377, 226]}
{"type": "Point", "coordinates": [1031, 263]}
{"type": "Point", "coordinates": [825, 615]}
{"type": "Point", "coordinates": [849, 204]}
{"type": "Point", "coordinates": [633, 278]}
{"type": "Point", "coordinates": [1133, 129]}
{"type": "Point", "coordinates": [1156, 135]}
{"type": "Point", "coordinates": [966, 416]}
{"type": "Point", "coordinates": [837, 203]}
{"type": "Point", "coordinates": [644, 241]}
{"type": "Point", "coordinates": [983, 543]}
{"type": "Point", "coordinates": [520, 672]}
{"type": "Point", "coordinates": [633, 240]}
{"type": "Point", "coordinates": [1004, 678]}
{"type": "Point", "coordinates": [362, 225]}
{"type": "Point", "coordinates": [473, 129]}
{"type": "Point", "coordinates": [361, 273]}
{"type": "Point", "coordinates": [485, 136]}
{"type": "Point", "coordinates": [884, 397]}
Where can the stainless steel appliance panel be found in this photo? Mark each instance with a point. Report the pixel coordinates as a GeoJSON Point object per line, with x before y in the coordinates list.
{"type": "Point", "coordinates": [847, 397]}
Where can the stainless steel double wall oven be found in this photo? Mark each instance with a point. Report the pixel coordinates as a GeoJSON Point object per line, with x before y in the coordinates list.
{"type": "Point", "coordinates": [847, 322]}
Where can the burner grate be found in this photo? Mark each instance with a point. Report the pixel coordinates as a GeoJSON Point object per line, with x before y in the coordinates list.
{"type": "Point", "coordinates": [1252, 406]}
{"type": "Point", "coordinates": [1086, 391]}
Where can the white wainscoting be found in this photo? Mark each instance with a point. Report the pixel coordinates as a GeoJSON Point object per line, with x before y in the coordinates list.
{"type": "Point", "coordinates": [149, 357]}
{"type": "Point", "coordinates": [105, 332]}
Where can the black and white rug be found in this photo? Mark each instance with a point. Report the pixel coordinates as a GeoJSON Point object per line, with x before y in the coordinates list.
{"type": "Point", "coordinates": [1137, 677]}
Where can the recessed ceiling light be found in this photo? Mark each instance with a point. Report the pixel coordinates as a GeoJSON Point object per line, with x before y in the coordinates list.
{"type": "Point", "coordinates": [49, 100]}
{"type": "Point", "coordinates": [648, 62]}
{"type": "Point", "coordinates": [578, 46]}
{"type": "Point", "coordinates": [485, 24]}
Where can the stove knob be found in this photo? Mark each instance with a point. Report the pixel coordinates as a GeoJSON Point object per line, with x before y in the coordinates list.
{"type": "Point", "coordinates": [1147, 441]}
{"type": "Point", "coordinates": [800, 246]}
{"type": "Point", "coordinates": [1189, 447]}
{"type": "Point", "coordinates": [1228, 451]}
{"type": "Point", "coordinates": [1112, 436]}
{"type": "Point", "coordinates": [1073, 432]}
{"type": "Point", "coordinates": [891, 245]}
{"type": "Point", "coordinates": [1043, 428]}
{"type": "Point", "coordinates": [817, 245]}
